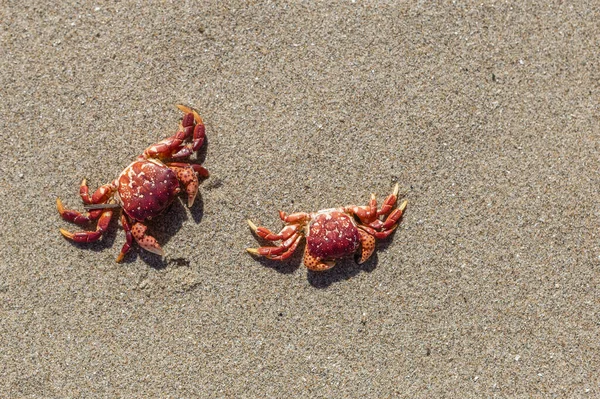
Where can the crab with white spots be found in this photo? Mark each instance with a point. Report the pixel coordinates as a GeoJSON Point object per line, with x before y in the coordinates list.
{"type": "Point", "coordinates": [332, 234]}
{"type": "Point", "coordinates": [145, 188]}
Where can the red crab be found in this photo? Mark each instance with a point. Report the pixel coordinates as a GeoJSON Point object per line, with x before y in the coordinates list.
{"type": "Point", "coordinates": [332, 233]}
{"type": "Point", "coordinates": [144, 189]}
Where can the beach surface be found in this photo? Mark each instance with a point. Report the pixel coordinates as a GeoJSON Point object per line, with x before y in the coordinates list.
{"type": "Point", "coordinates": [487, 115]}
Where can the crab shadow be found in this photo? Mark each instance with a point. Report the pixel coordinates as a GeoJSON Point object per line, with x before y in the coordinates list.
{"type": "Point", "coordinates": [287, 267]}
{"type": "Point", "coordinates": [163, 228]}
{"type": "Point", "coordinates": [345, 268]}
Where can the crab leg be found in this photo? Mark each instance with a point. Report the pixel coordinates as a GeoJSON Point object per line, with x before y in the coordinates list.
{"type": "Point", "coordinates": [191, 125]}
{"type": "Point", "coordinates": [390, 222]}
{"type": "Point", "coordinates": [366, 214]}
{"type": "Point", "coordinates": [267, 234]}
{"type": "Point", "coordinates": [128, 238]}
{"type": "Point", "coordinates": [77, 217]}
{"type": "Point", "coordinates": [149, 243]}
{"type": "Point", "coordinates": [281, 252]}
{"type": "Point", "coordinates": [378, 234]}
{"type": "Point", "coordinates": [294, 217]}
{"type": "Point", "coordinates": [394, 217]}
{"type": "Point", "coordinates": [380, 229]}
{"type": "Point", "coordinates": [199, 130]}
{"type": "Point", "coordinates": [100, 196]}
{"type": "Point", "coordinates": [89, 236]}
{"type": "Point", "coordinates": [389, 202]}
{"type": "Point", "coordinates": [187, 175]}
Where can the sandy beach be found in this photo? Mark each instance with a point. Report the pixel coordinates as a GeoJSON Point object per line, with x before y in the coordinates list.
{"type": "Point", "coordinates": [487, 115]}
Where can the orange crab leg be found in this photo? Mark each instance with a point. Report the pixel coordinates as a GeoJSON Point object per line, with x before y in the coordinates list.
{"type": "Point", "coordinates": [389, 202]}
{"type": "Point", "coordinates": [381, 230]}
{"type": "Point", "coordinates": [282, 252]}
{"type": "Point", "coordinates": [89, 236]}
{"type": "Point", "coordinates": [379, 234]}
{"type": "Point", "coordinates": [101, 195]}
{"type": "Point", "coordinates": [289, 251]}
{"type": "Point", "coordinates": [366, 214]}
{"type": "Point", "coordinates": [394, 217]}
{"type": "Point", "coordinates": [299, 217]}
{"type": "Point", "coordinates": [77, 217]}
{"type": "Point", "coordinates": [267, 234]}
{"type": "Point", "coordinates": [199, 134]}
{"type": "Point", "coordinates": [149, 243]}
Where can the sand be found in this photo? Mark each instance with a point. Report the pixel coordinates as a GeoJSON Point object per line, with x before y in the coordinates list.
{"type": "Point", "coordinates": [485, 114]}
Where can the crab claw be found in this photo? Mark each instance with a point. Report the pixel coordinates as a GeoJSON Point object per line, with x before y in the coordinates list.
{"type": "Point", "coordinates": [149, 243]}
{"type": "Point", "coordinates": [186, 175]}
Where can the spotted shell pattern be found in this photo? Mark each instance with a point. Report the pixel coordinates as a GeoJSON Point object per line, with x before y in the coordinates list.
{"type": "Point", "coordinates": [146, 188]}
{"type": "Point", "coordinates": [333, 234]}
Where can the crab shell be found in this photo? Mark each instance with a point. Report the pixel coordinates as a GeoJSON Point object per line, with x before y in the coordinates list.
{"type": "Point", "coordinates": [146, 188]}
{"type": "Point", "coordinates": [332, 234]}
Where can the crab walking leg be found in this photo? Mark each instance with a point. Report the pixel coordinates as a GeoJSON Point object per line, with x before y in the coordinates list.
{"type": "Point", "coordinates": [100, 196]}
{"type": "Point", "coordinates": [128, 238]}
{"type": "Point", "coordinates": [289, 251]}
{"type": "Point", "coordinates": [199, 130]}
{"type": "Point", "coordinates": [267, 234]}
{"type": "Point", "coordinates": [89, 236]}
{"type": "Point", "coordinates": [77, 217]}
{"type": "Point", "coordinates": [316, 264]}
{"type": "Point", "coordinates": [389, 202]}
{"type": "Point", "coordinates": [84, 192]}
{"type": "Point", "coordinates": [281, 252]}
{"type": "Point", "coordinates": [173, 147]}
{"type": "Point", "coordinates": [298, 217]}
{"type": "Point", "coordinates": [149, 243]}
{"type": "Point", "coordinates": [367, 248]}
{"type": "Point", "coordinates": [187, 175]}
{"type": "Point", "coordinates": [386, 228]}
{"type": "Point", "coordinates": [394, 217]}
{"type": "Point", "coordinates": [380, 235]}
{"type": "Point", "coordinates": [366, 214]}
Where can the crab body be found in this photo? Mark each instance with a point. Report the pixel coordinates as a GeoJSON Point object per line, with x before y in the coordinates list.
{"type": "Point", "coordinates": [145, 188]}
{"type": "Point", "coordinates": [332, 234]}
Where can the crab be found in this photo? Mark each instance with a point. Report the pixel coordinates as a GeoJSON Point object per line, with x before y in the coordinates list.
{"type": "Point", "coordinates": [332, 234]}
{"type": "Point", "coordinates": [144, 189]}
